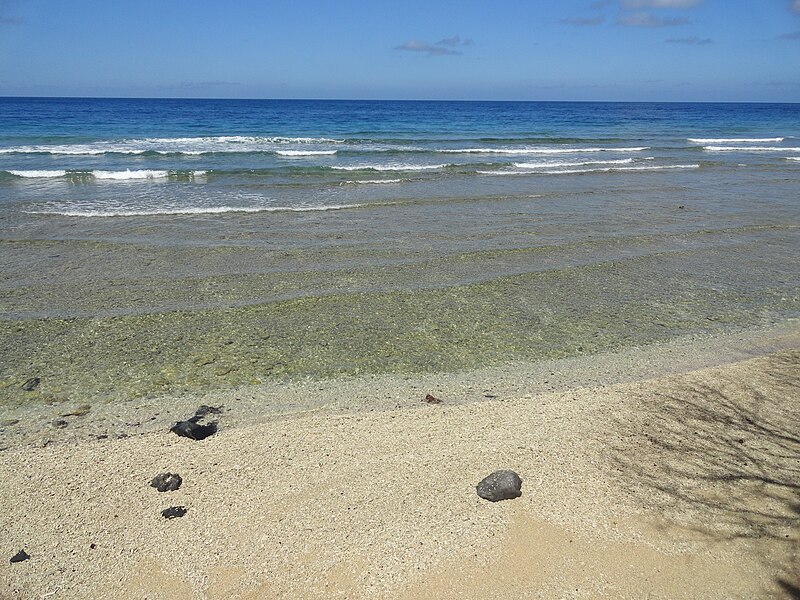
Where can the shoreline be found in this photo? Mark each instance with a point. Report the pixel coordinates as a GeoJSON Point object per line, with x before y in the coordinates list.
{"type": "Point", "coordinates": [634, 480]}
{"type": "Point", "coordinates": [277, 400]}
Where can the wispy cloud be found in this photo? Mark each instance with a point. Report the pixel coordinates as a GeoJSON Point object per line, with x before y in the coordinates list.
{"type": "Point", "coordinates": [661, 3]}
{"type": "Point", "coordinates": [795, 35]}
{"type": "Point", "coordinates": [796, 5]}
{"type": "Point", "coordinates": [10, 20]}
{"type": "Point", "coordinates": [600, 4]}
{"type": "Point", "coordinates": [426, 48]}
{"type": "Point", "coordinates": [443, 47]}
{"type": "Point", "coordinates": [691, 41]}
{"type": "Point", "coordinates": [583, 21]}
{"type": "Point", "coordinates": [645, 19]}
{"type": "Point", "coordinates": [455, 41]}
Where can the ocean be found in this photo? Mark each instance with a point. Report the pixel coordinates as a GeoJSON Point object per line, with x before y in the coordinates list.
{"type": "Point", "coordinates": [167, 246]}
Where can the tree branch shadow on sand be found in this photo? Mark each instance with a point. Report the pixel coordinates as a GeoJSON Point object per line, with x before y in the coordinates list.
{"type": "Point", "coordinates": [720, 455]}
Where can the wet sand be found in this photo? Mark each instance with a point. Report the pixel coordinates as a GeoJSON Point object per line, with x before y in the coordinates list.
{"type": "Point", "coordinates": [644, 476]}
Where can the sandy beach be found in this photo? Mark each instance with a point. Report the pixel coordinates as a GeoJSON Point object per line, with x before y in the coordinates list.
{"type": "Point", "coordinates": [666, 472]}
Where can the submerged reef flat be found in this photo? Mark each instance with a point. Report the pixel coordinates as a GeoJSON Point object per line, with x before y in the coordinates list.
{"type": "Point", "coordinates": [559, 313]}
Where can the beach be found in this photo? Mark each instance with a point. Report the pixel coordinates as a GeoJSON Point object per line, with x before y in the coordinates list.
{"type": "Point", "coordinates": [680, 485]}
{"type": "Point", "coordinates": [365, 308]}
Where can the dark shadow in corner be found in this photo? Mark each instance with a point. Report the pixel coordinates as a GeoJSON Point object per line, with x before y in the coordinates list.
{"type": "Point", "coordinates": [722, 456]}
{"type": "Point", "coordinates": [792, 591]}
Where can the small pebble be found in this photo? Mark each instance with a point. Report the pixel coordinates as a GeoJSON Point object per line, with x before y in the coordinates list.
{"type": "Point", "coordinates": [166, 482]}
{"type": "Point", "coordinates": [173, 512]}
{"type": "Point", "coordinates": [31, 384]}
{"type": "Point", "coordinates": [432, 399]}
{"type": "Point", "coordinates": [19, 557]}
{"type": "Point", "coordinates": [8, 422]}
{"type": "Point", "coordinates": [59, 423]}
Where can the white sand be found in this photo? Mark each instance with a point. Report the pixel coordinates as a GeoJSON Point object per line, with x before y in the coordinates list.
{"type": "Point", "coordinates": [683, 486]}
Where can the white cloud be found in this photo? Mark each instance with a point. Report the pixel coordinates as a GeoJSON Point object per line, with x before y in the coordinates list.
{"type": "Point", "coordinates": [796, 5]}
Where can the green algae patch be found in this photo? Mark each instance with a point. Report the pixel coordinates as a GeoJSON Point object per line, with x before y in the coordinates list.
{"type": "Point", "coordinates": [526, 317]}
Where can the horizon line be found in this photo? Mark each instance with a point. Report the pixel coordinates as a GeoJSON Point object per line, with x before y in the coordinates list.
{"type": "Point", "coordinates": [58, 97]}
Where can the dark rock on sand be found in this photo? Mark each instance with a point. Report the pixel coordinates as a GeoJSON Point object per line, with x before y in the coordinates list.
{"type": "Point", "coordinates": [173, 512]}
{"type": "Point", "coordinates": [59, 423]}
{"type": "Point", "coordinates": [8, 422]}
{"type": "Point", "coordinates": [193, 431]}
{"type": "Point", "coordinates": [432, 399]}
{"type": "Point", "coordinates": [500, 485]}
{"type": "Point", "coordinates": [19, 557]}
{"type": "Point", "coordinates": [166, 482]}
{"type": "Point", "coordinates": [31, 384]}
{"type": "Point", "coordinates": [191, 427]}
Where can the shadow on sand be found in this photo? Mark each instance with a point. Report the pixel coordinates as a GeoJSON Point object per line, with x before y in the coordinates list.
{"type": "Point", "coordinates": [719, 454]}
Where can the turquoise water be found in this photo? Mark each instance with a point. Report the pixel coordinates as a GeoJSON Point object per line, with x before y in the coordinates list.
{"type": "Point", "coordinates": [165, 246]}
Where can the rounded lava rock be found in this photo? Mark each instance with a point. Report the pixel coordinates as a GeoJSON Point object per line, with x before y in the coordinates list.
{"type": "Point", "coordinates": [500, 485]}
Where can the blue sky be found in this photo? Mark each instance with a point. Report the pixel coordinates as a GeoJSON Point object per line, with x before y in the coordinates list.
{"type": "Point", "coordinates": [662, 50]}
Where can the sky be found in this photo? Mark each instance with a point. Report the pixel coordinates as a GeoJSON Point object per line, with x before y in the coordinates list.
{"type": "Point", "coordinates": [614, 50]}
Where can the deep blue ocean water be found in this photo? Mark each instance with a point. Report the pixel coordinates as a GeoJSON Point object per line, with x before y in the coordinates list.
{"type": "Point", "coordinates": [117, 157]}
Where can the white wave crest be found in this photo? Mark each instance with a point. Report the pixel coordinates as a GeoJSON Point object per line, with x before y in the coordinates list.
{"type": "Point", "coordinates": [125, 175]}
{"type": "Point", "coordinates": [538, 150]}
{"type": "Point", "coordinates": [614, 169]}
{"type": "Point", "coordinates": [749, 149]}
{"type": "Point", "coordinates": [373, 181]}
{"type": "Point", "coordinates": [553, 164]}
{"type": "Point", "coordinates": [735, 140]}
{"type": "Point", "coordinates": [197, 210]}
{"type": "Point", "coordinates": [38, 174]}
{"type": "Point", "coordinates": [390, 167]}
{"type": "Point", "coordinates": [143, 174]}
{"type": "Point", "coordinates": [795, 158]}
{"type": "Point", "coordinates": [305, 152]}
{"type": "Point", "coordinates": [178, 145]}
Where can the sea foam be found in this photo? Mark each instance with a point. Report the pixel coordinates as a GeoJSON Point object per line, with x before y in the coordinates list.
{"type": "Point", "coordinates": [391, 167]}
{"type": "Point", "coordinates": [305, 152]}
{"type": "Point", "coordinates": [553, 164]}
{"type": "Point", "coordinates": [39, 174]}
{"type": "Point", "coordinates": [197, 210]}
{"type": "Point", "coordinates": [143, 174]}
{"type": "Point", "coordinates": [749, 149]}
{"type": "Point", "coordinates": [179, 145]}
{"type": "Point", "coordinates": [537, 150]}
{"type": "Point", "coordinates": [614, 169]}
{"type": "Point", "coordinates": [735, 140]}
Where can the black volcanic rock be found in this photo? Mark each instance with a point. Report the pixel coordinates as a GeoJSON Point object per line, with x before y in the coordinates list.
{"type": "Point", "coordinates": [166, 482]}
{"type": "Point", "coordinates": [173, 512]}
{"type": "Point", "coordinates": [500, 485]}
{"type": "Point", "coordinates": [192, 430]}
